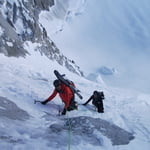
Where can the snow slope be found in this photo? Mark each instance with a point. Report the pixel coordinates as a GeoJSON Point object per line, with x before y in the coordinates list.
{"type": "Point", "coordinates": [39, 128]}
{"type": "Point", "coordinates": [115, 34]}
{"type": "Point", "coordinates": [62, 12]}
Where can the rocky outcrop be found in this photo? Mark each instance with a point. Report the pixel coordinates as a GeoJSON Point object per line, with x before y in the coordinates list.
{"type": "Point", "coordinates": [19, 23]}
{"type": "Point", "coordinates": [10, 44]}
{"type": "Point", "coordinates": [92, 130]}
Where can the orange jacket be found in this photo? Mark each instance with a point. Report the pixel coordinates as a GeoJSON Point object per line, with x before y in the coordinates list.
{"type": "Point", "coordinates": [66, 95]}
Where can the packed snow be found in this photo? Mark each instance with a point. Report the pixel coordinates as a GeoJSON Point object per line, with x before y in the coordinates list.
{"type": "Point", "coordinates": [36, 126]}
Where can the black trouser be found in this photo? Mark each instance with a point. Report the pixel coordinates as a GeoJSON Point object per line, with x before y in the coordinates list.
{"type": "Point", "coordinates": [98, 105]}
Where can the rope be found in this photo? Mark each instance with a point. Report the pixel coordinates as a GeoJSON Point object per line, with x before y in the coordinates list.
{"type": "Point", "coordinates": [69, 133]}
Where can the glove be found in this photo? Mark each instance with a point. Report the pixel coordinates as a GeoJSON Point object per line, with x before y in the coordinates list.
{"type": "Point", "coordinates": [64, 111]}
{"type": "Point", "coordinates": [44, 102]}
{"type": "Point", "coordinates": [84, 104]}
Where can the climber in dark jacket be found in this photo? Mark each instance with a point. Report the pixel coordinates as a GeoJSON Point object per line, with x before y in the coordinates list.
{"type": "Point", "coordinates": [97, 101]}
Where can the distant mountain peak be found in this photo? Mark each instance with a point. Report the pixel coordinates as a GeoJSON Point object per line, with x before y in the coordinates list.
{"type": "Point", "coordinates": [106, 70]}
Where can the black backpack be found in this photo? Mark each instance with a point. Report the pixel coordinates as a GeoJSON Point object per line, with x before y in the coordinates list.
{"type": "Point", "coordinates": [101, 95]}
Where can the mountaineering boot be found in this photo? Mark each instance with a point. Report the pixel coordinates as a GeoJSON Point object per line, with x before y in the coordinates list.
{"type": "Point", "coordinates": [100, 110]}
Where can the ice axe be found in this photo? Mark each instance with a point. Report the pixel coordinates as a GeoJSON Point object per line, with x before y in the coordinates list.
{"type": "Point", "coordinates": [36, 101]}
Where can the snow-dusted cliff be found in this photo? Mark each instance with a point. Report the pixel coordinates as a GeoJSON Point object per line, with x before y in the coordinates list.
{"type": "Point", "coordinates": [19, 23]}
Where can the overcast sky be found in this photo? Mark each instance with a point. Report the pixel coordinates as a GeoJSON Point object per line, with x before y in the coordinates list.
{"type": "Point", "coordinates": [112, 33]}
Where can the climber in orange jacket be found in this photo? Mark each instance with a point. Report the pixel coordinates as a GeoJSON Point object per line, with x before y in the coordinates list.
{"type": "Point", "coordinates": [65, 94]}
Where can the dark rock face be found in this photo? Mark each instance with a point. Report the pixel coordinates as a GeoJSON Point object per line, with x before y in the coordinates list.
{"type": "Point", "coordinates": [19, 22]}
{"type": "Point", "coordinates": [91, 130]}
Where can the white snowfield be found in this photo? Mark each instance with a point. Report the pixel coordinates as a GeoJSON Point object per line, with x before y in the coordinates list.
{"type": "Point", "coordinates": [125, 124]}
